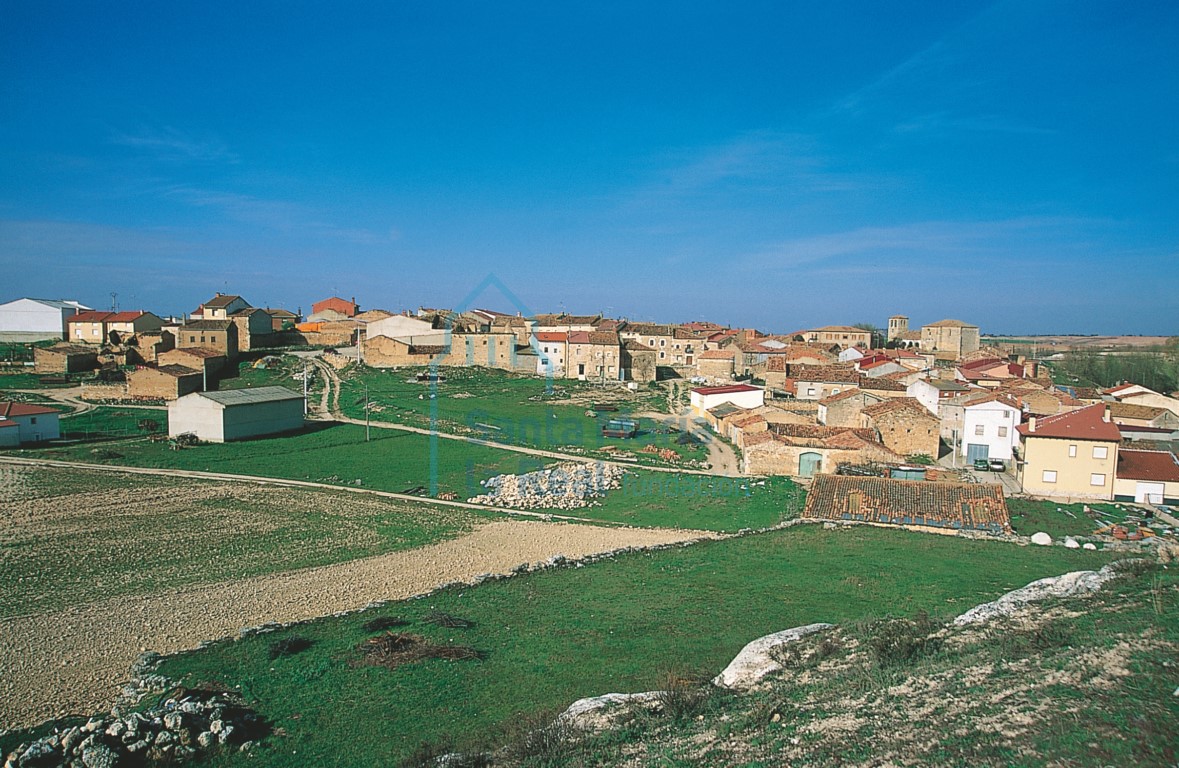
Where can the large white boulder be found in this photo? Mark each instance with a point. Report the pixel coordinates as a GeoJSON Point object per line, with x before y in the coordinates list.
{"type": "Point", "coordinates": [756, 660]}
{"type": "Point", "coordinates": [1041, 538]}
{"type": "Point", "coordinates": [1068, 585]}
{"type": "Point", "coordinates": [594, 713]}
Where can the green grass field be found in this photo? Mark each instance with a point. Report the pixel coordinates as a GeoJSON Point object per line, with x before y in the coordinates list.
{"type": "Point", "coordinates": [75, 536]}
{"type": "Point", "coordinates": [1059, 520]}
{"type": "Point", "coordinates": [514, 409]}
{"type": "Point", "coordinates": [552, 637]}
{"type": "Point", "coordinates": [404, 461]}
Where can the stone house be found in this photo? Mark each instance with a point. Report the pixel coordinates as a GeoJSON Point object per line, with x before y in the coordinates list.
{"type": "Point", "coordinates": [950, 339]}
{"type": "Point", "coordinates": [908, 503]}
{"type": "Point", "coordinates": [255, 328]}
{"type": "Point", "coordinates": [802, 450]}
{"type": "Point", "coordinates": [565, 322]}
{"type": "Point", "coordinates": [594, 356]}
{"type": "Point", "coordinates": [675, 346]}
{"type": "Point", "coordinates": [842, 336]}
{"type": "Point", "coordinates": [219, 335]}
{"type": "Point", "coordinates": [166, 382]}
{"type": "Point", "coordinates": [715, 365]}
{"type": "Point", "coordinates": [147, 347]}
{"type": "Point", "coordinates": [1132, 415]}
{"type": "Point", "coordinates": [97, 327]}
{"type": "Point", "coordinates": [905, 426]}
{"type": "Point", "coordinates": [210, 363]}
{"type": "Point", "coordinates": [65, 358]}
{"type": "Point", "coordinates": [884, 386]}
{"type": "Point", "coordinates": [844, 409]}
{"type": "Point", "coordinates": [282, 319]}
{"type": "Point", "coordinates": [220, 307]}
{"type": "Point", "coordinates": [1072, 454]}
{"type": "Point", "coordinates": [639, 362]}
{"type": "Point", "coordinates": [815, 382]}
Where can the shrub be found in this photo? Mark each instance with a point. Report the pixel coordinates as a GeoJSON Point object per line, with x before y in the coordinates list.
{"type": "Point", "coordinates": [682, 697]}
{"type": "Point", "coordinates": [900, 641]}
{"type": "Point", "coordinates": [448, 620]}
{"type": "Point", "coordinates": [1017, 642]}
{"type": "Point", "coordinates": [393, 649]}
{"type": "Point", "coordinates": [382, 623]}
{"type": "Point", "coordinates": [289, 646]}
{"type": "Point", "coordinates": [543, 738]}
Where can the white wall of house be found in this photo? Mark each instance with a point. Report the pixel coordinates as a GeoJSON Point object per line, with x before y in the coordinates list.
{"type": "Point", "coordinates": [754, 398]}
{"type": "Point", "coordinates": [34, 429]}
{"type": "Point", "coordinates": [991, 424]}
{"type": "Point", "coordinates": [400, 326]}
{"type": "Point", "coordinates": [36, 319]}
{"type": "Point", "coordinates": [926, 394]}
{"type": "Point", "coordinates": [550, 358]}
{"type": "Point", "coordinates": [850, 355]}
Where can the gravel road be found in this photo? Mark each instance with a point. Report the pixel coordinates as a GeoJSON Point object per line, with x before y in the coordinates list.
{"type": "Point", "coordinates": [74, 661]}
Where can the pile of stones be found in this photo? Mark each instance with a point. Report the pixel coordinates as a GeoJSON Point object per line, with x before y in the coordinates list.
{"type": "Point", "coordinates": [190, 724]}
{"type": "Point", "coordinates": [569, 485]}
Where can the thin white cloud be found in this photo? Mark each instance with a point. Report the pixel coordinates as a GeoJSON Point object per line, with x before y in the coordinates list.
{"type": "Point", "coordinates": [169, 143]}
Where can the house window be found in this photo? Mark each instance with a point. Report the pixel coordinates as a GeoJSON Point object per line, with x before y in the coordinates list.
{"type": "Point", "coordinates": [978, 430]}
{"type": "Point", "coordinates": [663, 342]}
{"type": "Point", "coordinates": [835, 391]}
{"type": "Point", "coordinates": [1002, 431]}
{"type": "Point", "coordinates": [1097, 479]}
{"type": "Point", "coordinates": [1072, 451]}
{"type": "Point", "coordinates": [810, 390]}
{"type": "Point", "coordinates": [1049, 476]}
{"type": "Point", "coordinates": [1101, 452]}
{"type": "Point", "coordinates": [662, 355]}
{"type": "Point", "coordinates": [191, 338]}
{"type": "Point", "coordinates": [32, 419]}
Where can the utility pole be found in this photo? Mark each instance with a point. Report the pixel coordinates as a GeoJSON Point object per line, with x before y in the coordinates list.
{"type": "Point", "coordinates": [366, 422]}
{"type": "Point", "coordinates": [304, 387]}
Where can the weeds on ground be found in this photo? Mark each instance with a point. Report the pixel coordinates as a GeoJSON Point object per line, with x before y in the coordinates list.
{"type": "Point", "coordinates": [383, 623]}
{"type": "Point", "coordinates": [894, 642]}
{"type": "Point", "coordinates": [393, 649]}
{"type": "Point", "coordinates": [289, 646]}
{"type": "Point", "coordinates": [448, 620]}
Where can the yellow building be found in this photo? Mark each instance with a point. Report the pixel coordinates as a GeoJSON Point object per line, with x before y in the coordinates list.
{"type": "Point", "coordinates": [1073, 454]}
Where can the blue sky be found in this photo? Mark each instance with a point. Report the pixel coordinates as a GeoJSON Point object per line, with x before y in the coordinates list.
{"type": "Point", "coordinates": [776, 165]}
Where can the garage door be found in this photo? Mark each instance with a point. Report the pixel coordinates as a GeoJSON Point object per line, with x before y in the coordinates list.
{"type": "Point", "coordinates": [1149, 493]}
{"type": "Point", "coordinates": [976, 451]}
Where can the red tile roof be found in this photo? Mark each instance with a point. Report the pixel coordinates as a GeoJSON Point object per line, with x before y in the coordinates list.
{"type": "Point", "coordinates": [126, 317]}
{"type": "Point", "coordinates": [716, 354]}
{"type": "Point", "coordinates": [552, 336]}
{"type": "Point", "coordinates": [977, 506]}
{"type": "Point", "coordinates": [93, 316]}
{"type": "Point", "coordinates": [1158, 466]}
{"type": "Point", "coordinates": [1086, 423]}
{"type": "Point", "coordinates": [8, 410]}
{"type": "Point", "coordinates": [731, 389]}
{"type": "Point", "coordinates": [906, 406]}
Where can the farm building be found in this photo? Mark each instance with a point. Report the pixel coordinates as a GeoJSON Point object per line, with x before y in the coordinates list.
{"type": "Point", "coordinates": [742, 395]}
{"type": "Point", "coordinates": [65, 358]}
{"type": "Point", "coordinates": [27, 423]}
{"type": "Point", "coordinates": [977, 506]}
{"type": "Point", "coordinates": [1150, 477]}
{"type": "Point", "coordinates": [36, 319]}
{"type": "Point", "coordinates": [220, 417]}
{"type": "Point", "coordinates": [166, 382]}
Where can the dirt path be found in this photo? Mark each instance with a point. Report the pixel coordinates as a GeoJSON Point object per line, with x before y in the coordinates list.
{"type": "Point", "coordinates": [720, 454]}
{"type": "Point", "coordinates": [73, 661]}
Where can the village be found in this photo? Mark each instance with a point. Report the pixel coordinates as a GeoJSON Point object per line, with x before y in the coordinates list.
{"type": "Point", "coordinates": [932, 404]}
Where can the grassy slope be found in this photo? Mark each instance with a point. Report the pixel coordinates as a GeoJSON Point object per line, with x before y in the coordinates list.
{"type": "Point", "coordinates": [1087, 681]}
{"type": "Point", "coordinates": [81, 556]}
{"type": "Point", "coordinates": [1060, 520]}
{"type": "Point", "coordinates": [556, 636]}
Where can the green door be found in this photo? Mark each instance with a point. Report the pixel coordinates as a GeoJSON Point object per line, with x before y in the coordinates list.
{"type": "Point", "coordinates": [808, 464]}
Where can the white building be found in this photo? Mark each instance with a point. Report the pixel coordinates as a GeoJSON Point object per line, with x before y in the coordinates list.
{"type": "Point", "coordinates": [27, 423]}
{"type": "Point", "coordinates": [551, 348]}
{"type": "Point", "coordinates": [403, 327]}
{"type": "Point", "coordinates": [931, 392]}
{"type": "Point", "coordinates": [988, 428]}
{"type": "Point", "coordinates": [36, 319]}
{"type": "Point", "coordinates": [236, 414]}
{"type": "Point", "coordinates": [740, 395]}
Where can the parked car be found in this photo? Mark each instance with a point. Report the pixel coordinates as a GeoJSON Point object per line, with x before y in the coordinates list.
{"type": "Point", "coordinates": [998, 465]}
{"type": "Point", "coordinates": [982, 465]}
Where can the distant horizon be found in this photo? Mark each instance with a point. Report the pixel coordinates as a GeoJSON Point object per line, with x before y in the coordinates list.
{"type": "Point", "coordinates": [1012, 164]}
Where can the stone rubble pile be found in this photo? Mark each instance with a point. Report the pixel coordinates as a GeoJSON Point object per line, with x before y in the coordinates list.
{"type": "Point", "coordinates": [569, 485]}
{"type": "Point", "coordinates": [193, 724]}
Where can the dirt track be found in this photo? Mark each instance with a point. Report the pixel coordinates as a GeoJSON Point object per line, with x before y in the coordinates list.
{"type": "Point", "coordinates": [73, 661]}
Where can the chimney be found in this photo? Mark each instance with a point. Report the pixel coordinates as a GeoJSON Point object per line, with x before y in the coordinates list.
{"type": "Point", "coordinates": [1032, 424]}
{"type": "Point", "coordinates": [1105, 415]}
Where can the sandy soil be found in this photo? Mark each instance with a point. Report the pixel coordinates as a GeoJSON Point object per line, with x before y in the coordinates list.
{"type": "Point", "coordinates": [73, 661]}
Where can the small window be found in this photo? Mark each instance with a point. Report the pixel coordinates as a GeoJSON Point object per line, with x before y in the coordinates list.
{"type": "Point", "coordinates": [810, 390]}
{"type": "Point", "coordinates": [1072, 451]}
{"type": "Point", "coordinates": [1049, 476]}
{"type": "Point", "coordinates": [1002, 431]}
{"type": "Point", "coordinates": [1096, 479]}
{"type": "Point", "coordinates": [663, 342]}
{"type": "Point", "coordinates": [33, 420]}
{"type": "Point", "coordinates": [978, 429]}
{"type": "Point", "coordinates": [192, 338]}
{"type": "Point", "coordinates": [1101, 452]}
{"type": "Point", "coordinates": [662, 355]}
